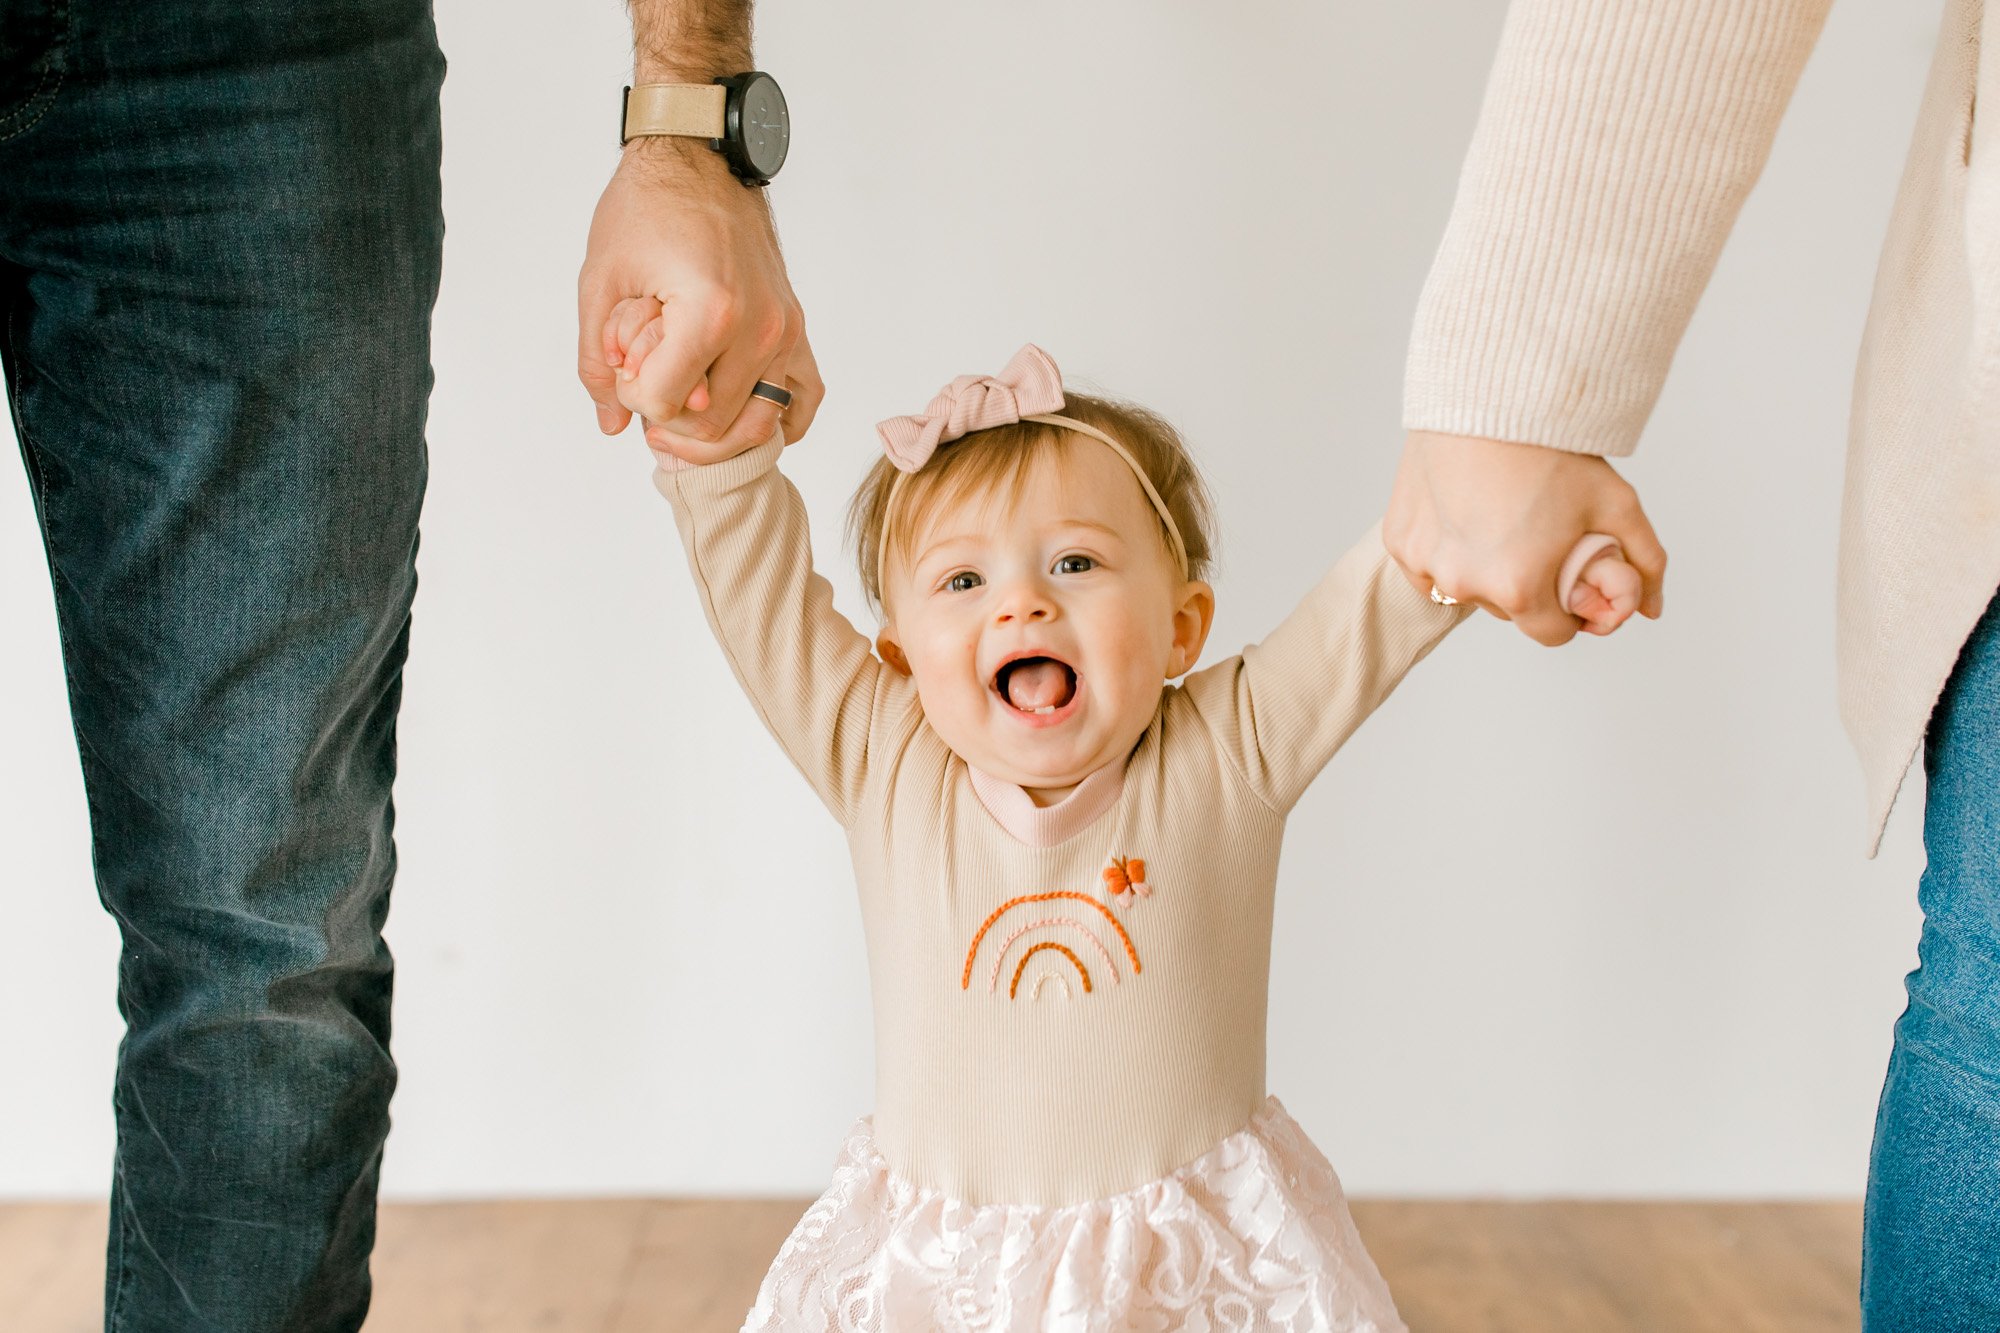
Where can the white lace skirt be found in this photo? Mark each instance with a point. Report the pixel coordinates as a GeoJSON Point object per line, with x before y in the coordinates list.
{"type": "Point", "coordinates": [1253, 1236]}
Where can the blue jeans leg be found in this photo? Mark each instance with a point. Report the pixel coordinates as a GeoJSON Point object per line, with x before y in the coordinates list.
{"type": "Point", "coordinates": [220, 233]}
{"type": "Point", "coordinates": [1931, 1245]}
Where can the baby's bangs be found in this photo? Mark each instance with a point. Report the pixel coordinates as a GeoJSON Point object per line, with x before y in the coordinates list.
{"type": "Point", "coordinates": [982, 466]}
{"type": "Point", "coordinates": [996, 462]}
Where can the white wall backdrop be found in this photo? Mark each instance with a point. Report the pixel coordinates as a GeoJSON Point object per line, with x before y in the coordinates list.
{"type": "Point", "coordinates": [1586, 922]}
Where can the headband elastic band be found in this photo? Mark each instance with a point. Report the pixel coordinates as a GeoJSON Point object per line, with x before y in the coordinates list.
{"type": "Point", "coordinates": [1173, 530]}
{"type": "Point", "coordinates": [1029, 389]}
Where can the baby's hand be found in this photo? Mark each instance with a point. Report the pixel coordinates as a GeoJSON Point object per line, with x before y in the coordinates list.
{"type": "Point", "coordinates": [1597, 585]}
{"type": "Point", "coordinates": [631, 331]}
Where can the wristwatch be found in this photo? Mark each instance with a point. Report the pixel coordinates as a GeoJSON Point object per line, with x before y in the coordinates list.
{"type": "Point", "coordinates": [743, 117]}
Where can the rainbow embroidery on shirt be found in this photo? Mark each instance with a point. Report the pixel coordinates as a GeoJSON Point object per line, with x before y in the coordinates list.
{"type": "Point", "coordinates": [1087, 935]}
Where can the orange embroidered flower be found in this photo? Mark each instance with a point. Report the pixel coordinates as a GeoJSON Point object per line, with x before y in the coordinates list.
{"type": "Point", "coordinates": [1125, 879]}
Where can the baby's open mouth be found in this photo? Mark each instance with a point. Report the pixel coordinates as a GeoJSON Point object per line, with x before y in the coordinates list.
{"type": "Point", "coordinates": [1036, 684]}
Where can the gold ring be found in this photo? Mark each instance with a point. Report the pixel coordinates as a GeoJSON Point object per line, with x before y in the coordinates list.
{"type": "Point", "coordinates": [772, 393]}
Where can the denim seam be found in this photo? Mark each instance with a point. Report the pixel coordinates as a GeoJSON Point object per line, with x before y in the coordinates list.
{"type": "Point", "coordinates": [114, 1314]}
{"type": "Point", "coordinates": [20, 374]}
{"type": "Point", "coordinates": [39, 474]}
{"type": "Point", "coordinates": [45, 91]}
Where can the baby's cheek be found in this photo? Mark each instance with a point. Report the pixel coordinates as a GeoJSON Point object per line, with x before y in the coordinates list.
{"type": "Point", "coordinates": [954, 704]}
{"type": "Point", "coordinates": [1136, 661]}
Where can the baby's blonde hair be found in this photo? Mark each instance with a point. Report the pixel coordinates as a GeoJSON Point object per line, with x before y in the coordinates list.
{"type": "Point", "coordinates": [989, 461]}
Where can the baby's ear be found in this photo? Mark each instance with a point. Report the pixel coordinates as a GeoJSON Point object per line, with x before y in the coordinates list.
{"type": "Point", "coordinates": [1191, 623]}
{"type": "Point", "coordinates": [892, 651]}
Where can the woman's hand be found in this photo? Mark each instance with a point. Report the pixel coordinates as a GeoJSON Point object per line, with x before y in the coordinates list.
{"type": "Point", "coordinates": [1490, 523]}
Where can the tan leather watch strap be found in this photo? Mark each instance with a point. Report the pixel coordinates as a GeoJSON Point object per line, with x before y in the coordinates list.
{"type": "Point", "coordinates": [692, 109]}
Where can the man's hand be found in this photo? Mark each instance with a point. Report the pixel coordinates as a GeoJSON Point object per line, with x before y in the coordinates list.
{"type": "Point", "coordinates": [1489, 523]}
{"type": "Point", "coordinates": [675, 226]}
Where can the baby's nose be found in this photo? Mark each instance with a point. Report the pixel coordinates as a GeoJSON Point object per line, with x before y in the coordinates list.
{"type": "Point", "coordinates": [1024, 602]}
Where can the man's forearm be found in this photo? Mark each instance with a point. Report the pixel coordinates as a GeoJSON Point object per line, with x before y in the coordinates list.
{"type": "Point", "coordinates": [677, 226]}
{"type": "Point", "coordinates": [689, 41]}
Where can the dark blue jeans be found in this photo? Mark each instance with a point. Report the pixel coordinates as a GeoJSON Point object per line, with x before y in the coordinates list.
{"type": "Point", "coordinates": [1931, 1249]}
{"type": "Point", "coordinates": [219, 245]}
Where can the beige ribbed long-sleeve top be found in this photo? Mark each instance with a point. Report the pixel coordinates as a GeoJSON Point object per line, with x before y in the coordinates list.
{"type": "Point", "coordinates": [1001, 1076]}
{"type": "Point", "coordinates": [1617, 143]}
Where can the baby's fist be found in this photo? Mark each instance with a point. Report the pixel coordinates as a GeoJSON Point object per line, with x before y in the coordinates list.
{"type": "Point", "coordinates": [1597, 585]}
{"type": "Point", "coordinates": [632, 331]}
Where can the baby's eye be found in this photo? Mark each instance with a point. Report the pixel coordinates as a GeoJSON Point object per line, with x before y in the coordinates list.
{"type": "Point", "coordinates": [1075, 564]}
{"type": "Point", "coordinates": [963, 581]}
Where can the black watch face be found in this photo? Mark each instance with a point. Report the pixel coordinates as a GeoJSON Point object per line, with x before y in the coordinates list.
{"type": "Point", "coordinates": [765, 130]}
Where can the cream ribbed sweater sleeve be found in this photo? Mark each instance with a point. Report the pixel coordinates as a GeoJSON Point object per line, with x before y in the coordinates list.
{"type": "Point", "coordinates": [810, 674]}
{"type": "Point", "coordinates": [1280, 709]}
{"type": "Point", "coordinates": [1616, 145]}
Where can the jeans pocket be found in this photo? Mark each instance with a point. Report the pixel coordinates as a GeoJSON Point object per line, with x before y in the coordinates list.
{"type": "Point", "coordinates": [33, 44]}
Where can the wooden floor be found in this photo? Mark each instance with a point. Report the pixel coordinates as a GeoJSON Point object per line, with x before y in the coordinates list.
{"type": "Point", "coordinates": [691, 1266]}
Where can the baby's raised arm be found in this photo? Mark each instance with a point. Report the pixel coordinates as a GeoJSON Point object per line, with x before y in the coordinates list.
{"type": "Point", "coordinates": [1281, 708]}
{"type": "Point", "coordinates": [811, 675]}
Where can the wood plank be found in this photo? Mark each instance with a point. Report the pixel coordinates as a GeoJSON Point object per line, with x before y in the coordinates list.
{"type": "Point", "coordinates": [547, 1265]}
{"type": "Point", "coordinates": [1484, 1268]}
{"type": "Point", "coordinates": [1596, 1267]}
{"type": "Point", "coordinates": [692, 1265]}
{"type": "Point", "coordinates": [700, 1261]}
{"type": "Point", "coordinates": [52, 1267]}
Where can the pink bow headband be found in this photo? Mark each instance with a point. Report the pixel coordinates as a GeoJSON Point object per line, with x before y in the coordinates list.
{"type": "Point", "coordinates": [1028, 389]}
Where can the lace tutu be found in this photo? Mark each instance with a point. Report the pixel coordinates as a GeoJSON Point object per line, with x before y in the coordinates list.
{"type": "Point", "coordinates": [1253, 1236]}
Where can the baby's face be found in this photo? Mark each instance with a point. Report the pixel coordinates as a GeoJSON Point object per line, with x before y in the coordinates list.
{"type": "Point", "coordinates": [1040, 626]}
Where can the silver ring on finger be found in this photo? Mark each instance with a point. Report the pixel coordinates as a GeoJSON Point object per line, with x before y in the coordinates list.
{"type": "Point", "coordinates": [772, 393]}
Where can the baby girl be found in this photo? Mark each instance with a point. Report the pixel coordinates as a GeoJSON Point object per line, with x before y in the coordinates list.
{"type": "Point", "coordinates": [1066, 865]}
